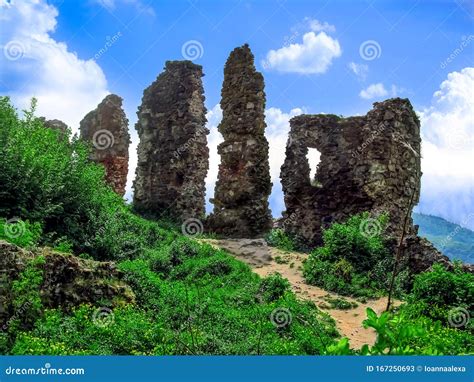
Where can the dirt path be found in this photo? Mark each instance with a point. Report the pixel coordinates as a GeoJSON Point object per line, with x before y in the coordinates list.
{"type": "Point", "coordinates": [266, 260]}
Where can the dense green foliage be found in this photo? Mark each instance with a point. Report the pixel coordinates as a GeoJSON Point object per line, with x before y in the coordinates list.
{"type": "Point", "coordinates": [191, 298]}
{"type": "Point", "coordinates": [279, 238]}
{"type": "Point", "coordinates": [453, 240]}
{"type": "Point", "coordinates": [353, 261]}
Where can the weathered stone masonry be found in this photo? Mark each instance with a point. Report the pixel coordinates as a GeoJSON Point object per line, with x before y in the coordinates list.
{"type": "Point", "coordinates": [368, 163]}
{"type": "Point", "coordinates": [106, 128]}
{"type": "Point", "coordinates": [244, 184]}
{"type": "Point", "coordinates": [173, 157]}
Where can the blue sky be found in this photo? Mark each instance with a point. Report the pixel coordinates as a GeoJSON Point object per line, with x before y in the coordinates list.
{"type": "Point", "coordinates": [316, 56]}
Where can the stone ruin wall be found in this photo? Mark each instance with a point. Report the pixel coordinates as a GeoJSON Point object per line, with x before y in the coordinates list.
{"type": "Point", "coordinates": [106, 129]}
{"type": "Point", "coordinates": [173, 157]}
{"type": "Point", "coordinates": [368, 163]}
{"type": "Point", "coordinates": [244, 183]}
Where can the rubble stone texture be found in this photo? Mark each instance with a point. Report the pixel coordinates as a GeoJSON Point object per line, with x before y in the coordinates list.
{"type": "Point", "coordinates": [244, 184]}
{"type": "Point", "coordinates": [173, 157]}
{"type": "Point", "coordinates": [106, 128]}
{"type": "Point", "coordinates": [368, 163]}
{"type": "Point", "coordinates": [68, 281]}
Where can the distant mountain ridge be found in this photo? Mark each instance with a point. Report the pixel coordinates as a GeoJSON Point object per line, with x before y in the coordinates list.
{"type": "Point", "coordinates": [451, 239]}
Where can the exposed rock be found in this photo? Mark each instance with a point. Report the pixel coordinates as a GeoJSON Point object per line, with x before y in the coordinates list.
{"type": "Point", "coordinates": [106, 128]}
{"type": "Point", "coordinates": [368, 163]}
{"type": "Point", "coordinates": [254, 252]}
{"type": "Point", "coordinates": [56, 124]}
{"type": "Point", "coordinates": [67, 280]}
{"type": "Point", "coordinates": [244, 184]}
{"type": "Point", "coordinates": [173, 157]}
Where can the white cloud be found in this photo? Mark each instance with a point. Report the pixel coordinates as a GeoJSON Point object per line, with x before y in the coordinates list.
{"type": "Point", "coordinates": [317, 26]}
{"type": "Point", "coordinates": [447, 128]}
{"type": "Point", "coordinates": [313, 55]}
{"type": "Point", "coordinates": [378, 91]}
{"type": "Point", "coordinates": [374, 91]}
{"type": "Point", "coordinates": [360, 70]}
{"type": "Point", "coordinates": [138, 4]}
{"type": "Point", "coordinates": [34, 64]}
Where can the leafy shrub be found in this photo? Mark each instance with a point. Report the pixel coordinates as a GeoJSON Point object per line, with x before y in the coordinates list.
{"type": "Point", "coordinates": [354, 259]}
{"type": "Point", "coordinates": [273, 287]}
{"type": "Point", "coordinates": [280, 239]}
{"type": "Point", "coordinates": [436, 294]}
{"type": "Point", "coordinates": [19, 232]}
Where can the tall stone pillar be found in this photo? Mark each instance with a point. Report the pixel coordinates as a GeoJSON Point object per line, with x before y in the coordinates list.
{"type": "Point", "coordinates": [244, 183]}
{"type": "Point", "coordinates": [173, 157]}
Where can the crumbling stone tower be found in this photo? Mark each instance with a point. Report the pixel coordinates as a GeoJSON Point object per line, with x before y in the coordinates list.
{"type": "Point", "coordinates": [368, 163]}
{"type": "Point", "coordinates": [106, 128]}
{"type": "Point", "coordinates": [173, 157]}
{"type": "Point", "coordinates": [244, 184]}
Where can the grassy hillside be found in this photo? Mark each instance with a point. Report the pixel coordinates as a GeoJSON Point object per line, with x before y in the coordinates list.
{"type": "Point", "coordinates": [451, 239]}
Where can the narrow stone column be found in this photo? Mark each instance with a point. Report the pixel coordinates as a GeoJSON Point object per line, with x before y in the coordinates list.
{"type": "Point", "coordinates": [173, 157]}
{"type": "Point", "coordinates": [106, 128]}
{"type": "Point", "coordinates": [244, 183]}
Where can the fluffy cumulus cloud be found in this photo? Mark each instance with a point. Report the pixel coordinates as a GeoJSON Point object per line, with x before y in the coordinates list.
{"type": "Point", "coordinates": [378, 90]}
{"type": "Point", "coordinates": [360, 70]}
{"type": "Point", "coordinates": [34, 64]}
{"type": "Point", "coordinates": [277, 130]}
{"type": "Point", "coordinates": [447, 128]}
{"type": "Point", "coordinates": [313, 55]}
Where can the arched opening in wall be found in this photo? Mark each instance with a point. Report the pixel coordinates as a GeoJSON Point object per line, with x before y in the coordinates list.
{"type": "Point", "coordinates": [313, 157]}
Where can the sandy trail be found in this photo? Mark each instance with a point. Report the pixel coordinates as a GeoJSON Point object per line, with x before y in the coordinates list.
{"type": "Point", "coordinates": [266, 260]}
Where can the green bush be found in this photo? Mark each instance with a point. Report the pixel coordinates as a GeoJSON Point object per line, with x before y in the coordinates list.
{"type": "Point", "coordinates": [273, 287]}
{"type": "Point", "coordinates": [354, 259]}
{"type": "Point", "coordinates": [438, 294]}
{"type": "Point", "coordinates": [280, 239]}
{"type": "Point", "coordinates": [19, 232]}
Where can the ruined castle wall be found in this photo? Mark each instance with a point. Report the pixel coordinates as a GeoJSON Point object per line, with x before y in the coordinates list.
{"type": "Point", "coordinates": [244, 184]}
{"type": "Point", "coordinates": [369, 163]}
{"type": "Point", "coordinates": [173, 157]}
{"type": "Point", "coordinates": [106, 129]}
